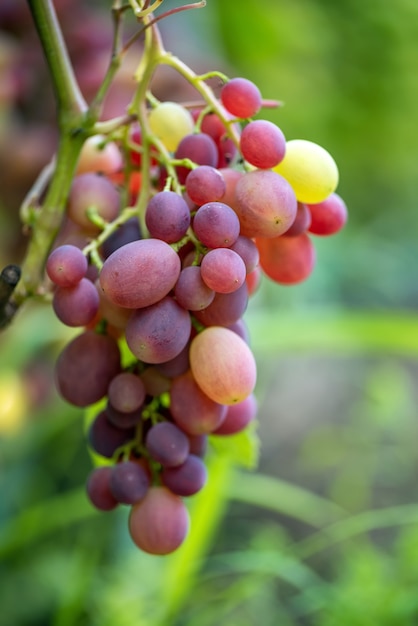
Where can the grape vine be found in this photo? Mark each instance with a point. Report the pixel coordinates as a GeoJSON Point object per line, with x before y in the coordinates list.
{"type": "Point", "coordinates": [149, 232]}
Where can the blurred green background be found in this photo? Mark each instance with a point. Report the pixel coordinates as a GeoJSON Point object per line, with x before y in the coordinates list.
{"type": "Point", "coordinates": [325, 531]}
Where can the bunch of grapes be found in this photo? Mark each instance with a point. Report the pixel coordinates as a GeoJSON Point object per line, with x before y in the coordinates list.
{"type": "Point", "coordinates": [170, 223]}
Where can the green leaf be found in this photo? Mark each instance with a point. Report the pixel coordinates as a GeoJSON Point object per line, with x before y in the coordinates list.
{"type": "Point", "coordinates": [240, 449]}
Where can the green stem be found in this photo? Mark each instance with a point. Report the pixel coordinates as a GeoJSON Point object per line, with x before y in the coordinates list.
{"type": "Point", "coordinates": [67, 93]}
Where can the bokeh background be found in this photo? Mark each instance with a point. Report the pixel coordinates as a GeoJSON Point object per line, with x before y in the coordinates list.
{"type": "Point", "coordinates": [325, 531]}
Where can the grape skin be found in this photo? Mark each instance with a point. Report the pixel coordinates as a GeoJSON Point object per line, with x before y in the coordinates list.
{"type": "Point", "coordinates": [223, 270]}
{"type": "Point", "coordinates": [140, 273]}
{"type": "Point", "coordinates": [66, 265]}
{"type": "Point", "coordinates": [98, 489]}
{"type": "Point", "coordinates": [328, 217]}
{"type": "Point", "coordinates": [225, 309]}
{"type": "Point", "coordinates": [167, 444]}
{"type": "Point", "coordinates": [186, 479]}
{"type": "Point", "coordinates": [241, 97]}
{"type": "Point", "coordinates": [129, 482]}
{"type": "Point", "coordinates": [158, 333]}
{"type": "Point", "coordinates": [167, 216]}
{"type": "Point", "coordinates": [77, 305]}
{"type": "Point", "coordinates": [287, 260]}
{"type": "Point", "coordinates": [126, 392]}
{"type": "Point", "coordinates": [216, 225]}
{"type": "Point", "coordinates": [222, 365]}
{"type": "Point", "coordinates": [159, 524]}
{"type": "Point", "coordinates": [105, 438]}
{"type": "Point", "coordinates": [262, 144]}
{"type": "Point", "coordinates": [205, 184]}
{"type": "Point", "coordinates": [191, 291]}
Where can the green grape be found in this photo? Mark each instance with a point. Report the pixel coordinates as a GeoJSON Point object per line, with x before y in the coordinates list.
{"type": "Point", "coordinates": [170, 122]}
{"type": "Point", "coordinates": [310, 169]}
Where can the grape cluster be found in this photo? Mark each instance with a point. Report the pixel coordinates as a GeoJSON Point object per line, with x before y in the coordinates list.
{"type": "Point", "coordinates": [163, 354]}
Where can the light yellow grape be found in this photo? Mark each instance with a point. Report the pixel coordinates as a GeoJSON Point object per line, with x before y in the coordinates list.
{"type": "Point", "coordinates": [170, 122]}
{"type": "Point", "coordinates": [310, 169]}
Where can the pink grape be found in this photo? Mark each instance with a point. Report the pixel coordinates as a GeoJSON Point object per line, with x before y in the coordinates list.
{"type": "Point", "coordinates": [216, 225]}
{"type": "Point", "coordinates": [265, 203]}
{"type": "Point", "coordinates": [205, 184]}
{"type": "Point", "coordinates": [222, 365]}
{"type": "Point", "coordinates": [66, 265]}
{"type": "Point", "coordinates": [329, 216]}
{"type": "Point", "coordinates": [140, 273]}
{"type": "Point", "coordinates": [241, 97]}
{"type": "Point", "coordinates": [262, 144]}
{"type": "Point", "coordinates": [160, 522]}
{"type": "Point", "coordinates": [223, 270]}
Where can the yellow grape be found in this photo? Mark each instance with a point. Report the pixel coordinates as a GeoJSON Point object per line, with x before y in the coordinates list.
{"type": "Point", "coordinates": [222, 365]}
{"type": "Point", "coordinates": [170, 122]}
{"type": "Point", "coordinates": [310, 169]}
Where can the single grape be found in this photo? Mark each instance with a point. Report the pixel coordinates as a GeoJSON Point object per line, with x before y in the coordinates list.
{"type": "Point", "coordinates": [186, 479]}
{"type": "Point", "coordinates": [98, 489]}
{"type": "Point", "coordinates": [155, 381]}
{"type": "Point", "coordinates": [287, 260]}
{"type": "Point", "coordinates": [167, 444]}
{"type": "Point", "coordinates": [238, 416]}
{"type": "Point", "coordinates": [105, 438]}
{"type": "Point", "coordinates": [140, 273]}
{"type": "Point", "coordinates": [241, 97]}
{"type": "Point", "coordinates": [127, 232]}
{"type": "Point", "coordinates": [198, 444]}
{"type": "Point", "coordinates": [200, 149]}
{"type": "Point", "coordinates": [223, 270]}
{"type": "Point", "coordinates": [129, 482]}
{"type": "Point", "coordinates": [225, 309]}
{"type": "Point", "coordinates": [310, 169]}
{"type": "Point", "coordinates": [167, 216]}
{"type": "Point", "coordinates": [170, 122]}
{"type": "Point", "coordinates": [66, 265]}
{"type": "Point", "coordinates": [216, 225]}
{"type": "Point", "coordinates": [100, 156]}
{"type": "Point", "coordinates": [77, 305]}
{"type": "Point", "coordinates": [192, 410]}
{"type": "Point", "coordinates": [159, 332]}
{"type": "Point", "coordinates": [160, 522]}
{"type": "Point", "coordinates": [302, 221]}
{"type": "Point", "coordinates": [248, 251]}
{"type": "Point", "coordinates": [253, 280]}
{"type": "Point", "coordinates": [222, 365]}
{"type": "Point", "coordinates": [205, 184]}
{"type": "Point", "coordinates": [115, 315]}
{"type": "Point", "coordinates": [177, 366]}
{"type": "Point", "coordinates": [191, 291]}
{"type": "Point", "coordinates": [92, 191]}
{"type": "Point", "coordinates": [329, 216]}
{"type": "Point", "coordinates": [126, 392]}
{"type": "Point", "coordinates": [265, 203]}
{"type": "Point", "coordinates": [123, 419]}
{"type": "Point", "coordinates": [85, 368]}
{"type": "Point", "coordinates": [262, 144]}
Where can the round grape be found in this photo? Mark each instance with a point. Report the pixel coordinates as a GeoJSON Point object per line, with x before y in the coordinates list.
{"type": "Point", "coordinates": [66, 265]}
{"type": "Point", "coordinates": [241, 97]}
{"type": "Point", "coordinates": [167, 444]}
{"type": "Point", "coordinates": [262, 144]}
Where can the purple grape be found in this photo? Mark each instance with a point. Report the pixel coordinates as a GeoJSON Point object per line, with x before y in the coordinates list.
{"type": "Point", "coordinates": [77, 305]}
{"type": "Point", "coordinates": [216, 225]}
{"type": "Point", "coordinates": [238, 416]}
{"type": "Point", "coordinates": [191, 291]}
{"type": "Point", "coordinates": [223, 270]}
{"type": "Point", "coordinates": [167, 216]}
{"type": "Point", "coordinates": [105, 438]}
{"type": "Point", "coordinates": [126, 392]}
{"type": "Point", "coordinates": [248, 251]}
{"type": "Point", "coordinates": [205, 184]}
{"type": "Point", "coordinates": [186, 479]}
{"type": "Point", "coordinates": [225, 309]}
{"type": "Point", "coordinates": [199, 148]}
{"type": "Point", "coordinates": [98, 489]}
{"type": "Point", "coordinates": [85, 368]}
{"type": "Point", "coordinates": [167, 444]}
{"type": "Point", "coordinates": [129, 482]}
{"type": "Point", "coordinates": [66, 265]}
{"type": "Point", "coordinates": [126, 233]}
{"type": "Point", "coordinates": [159, 332]}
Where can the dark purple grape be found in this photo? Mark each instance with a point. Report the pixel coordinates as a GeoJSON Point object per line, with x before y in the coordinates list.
{"type": "Point", "coordinates": [158, 333]}
{"type": "Point", "coordinates": [177, 366]}
{"type": "Point", "coordinates": [85, 368]}
{"type": "Point", "coordinates": [129, 482]}
{"type": "Point", "coordinates": [78, 305]}
{"type": "Point", "coordinates": [167, 216]}
{"type": "Point", "coordinates": [186, 479]}
{"type": "Point", "coordinates": [167, 444]}
{"type": "Point", "coordinates": [105, 438]}
{"type": "Point", "coordinates": [198, 444]}
{"type": "Point", "coordinates": [98, 489]}
{"type": "Point", "coordinates": [66, 265]}
{"type": "Point", "coordinates": [126, 233]}
{"type": "Point", "coordinates": [122, 419]}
